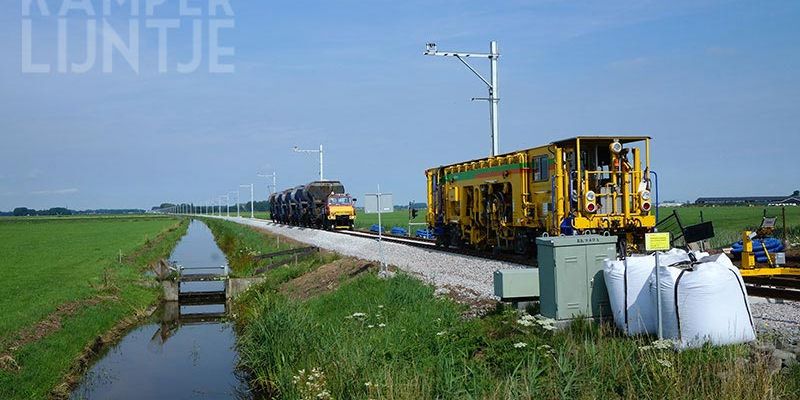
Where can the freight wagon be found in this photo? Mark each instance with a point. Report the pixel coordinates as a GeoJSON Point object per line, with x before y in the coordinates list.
{"type": "Point", "coordinates": [319, 204]}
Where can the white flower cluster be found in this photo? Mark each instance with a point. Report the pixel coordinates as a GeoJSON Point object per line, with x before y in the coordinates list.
{"type": "Point", "coordinates": [661, 344]}
{"type": "Point", "coordinates": [545, 323]}
{"type": "Point", "coordinates": [364, 318]}
{"type": "Point", "coordinates": [520, 345]}
{"type": "Point", "coordinates": [357, 315]}
{"type": "Point", "coordinates": [311, 385]}
{"type": "Point", "coordinates": [547, 349]}
{"type": "Point", "coordinates": [526, 320]}
{"type": "Point", "coordinates": [664, 363]}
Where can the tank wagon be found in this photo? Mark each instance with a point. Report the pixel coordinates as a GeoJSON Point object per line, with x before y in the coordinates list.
{"type": "Point", "coordinates": [587, 184]}
{"type": "Point", "coordinates": [319, 204]}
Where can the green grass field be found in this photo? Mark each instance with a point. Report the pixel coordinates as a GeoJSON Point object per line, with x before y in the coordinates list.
{"type": "Point", "coordinates": [49, 263]}
{"type": "Point", "coordinates": [729, 222]}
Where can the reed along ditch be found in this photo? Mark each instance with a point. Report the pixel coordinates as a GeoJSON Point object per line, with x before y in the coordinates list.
{"type": "Point", "coordinates": [183, 351]}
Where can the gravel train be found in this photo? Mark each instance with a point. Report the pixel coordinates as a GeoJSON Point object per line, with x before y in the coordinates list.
{"type": "Point", "coordinates": [319, 204]}
{"type": "Point", "coordinates": [588, 184]}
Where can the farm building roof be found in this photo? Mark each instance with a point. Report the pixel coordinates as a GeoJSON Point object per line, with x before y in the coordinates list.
{"type": "Point", "coordinates": [794, 198]}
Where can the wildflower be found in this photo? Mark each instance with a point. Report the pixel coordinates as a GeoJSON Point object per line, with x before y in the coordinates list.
{"type": "Point", "coordinates": [524, 322]}
{"type": "Point", "coordinates": [442, 333]}
{"type": "Point", "coordinates": [381, 325]}
{"type": "Point", "coordinates": [358, 315]}
{"type": "Point", "coordinates": [368, 383]}
{"type": "Point", "coordinates": [520, 345]}
{"type": "Point", "coordinates": [547, 324]}
{"type": "Point", "coordinates": [547, 349]}
{"type": "Point", "coordinates": [663, 344]}
{"type": "Point", "coordinates": [370, 326]}
{"type": "Point", "coordinates": [311, 386]}
{"type": "Point", "coordinates": [664, 363]}
{"type": "Point", "coordinates": [528, 317]}
{"type": "Point", "coordinates": [645, 348]}
{"type": "Point", "coordinates": [548, 327]}
{"type": "Point", "coordinates": [380, 306]}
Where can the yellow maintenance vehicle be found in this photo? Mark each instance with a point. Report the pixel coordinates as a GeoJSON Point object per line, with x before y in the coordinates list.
{"type": "Point", "coordinates": [585, 184]}
{"type": "Point", "coordinates": [340, 213]}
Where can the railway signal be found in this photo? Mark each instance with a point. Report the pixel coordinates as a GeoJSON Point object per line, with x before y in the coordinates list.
{"type": "Point", "coordinates": [412, 212]}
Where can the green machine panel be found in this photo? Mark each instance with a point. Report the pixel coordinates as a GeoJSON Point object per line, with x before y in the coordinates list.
{"type": "Point", "coordinates": [571, 280]}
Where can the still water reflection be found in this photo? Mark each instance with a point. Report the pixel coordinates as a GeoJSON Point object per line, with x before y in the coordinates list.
{"type": "Point", "coordinates": [187, 352]}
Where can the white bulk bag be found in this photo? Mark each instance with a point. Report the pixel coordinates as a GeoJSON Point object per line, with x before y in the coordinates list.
{"type": "Point", "coordinates": [705, 304]}
{"type": "Point", "coordinates": [632, 305]}
{"type": "Point", "coordinates": [632, 299]}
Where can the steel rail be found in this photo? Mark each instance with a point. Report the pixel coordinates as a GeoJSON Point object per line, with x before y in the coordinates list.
{"type": "Point", "coordinates": [428, 244]}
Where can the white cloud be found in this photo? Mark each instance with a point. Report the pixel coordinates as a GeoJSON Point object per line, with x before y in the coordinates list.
{"type": "Point", "coordinates": [55, 192]}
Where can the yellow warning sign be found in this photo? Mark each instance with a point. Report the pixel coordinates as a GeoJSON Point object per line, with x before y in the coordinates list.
{"type": "Point", "coordinates": [658, 241]}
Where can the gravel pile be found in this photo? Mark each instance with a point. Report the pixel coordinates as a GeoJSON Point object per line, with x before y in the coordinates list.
{"type": "Point", "coordinates": [444, 270]}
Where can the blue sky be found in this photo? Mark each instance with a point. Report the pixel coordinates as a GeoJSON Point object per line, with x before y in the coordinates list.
{"type": "Point", "coordinates": [716, 83]}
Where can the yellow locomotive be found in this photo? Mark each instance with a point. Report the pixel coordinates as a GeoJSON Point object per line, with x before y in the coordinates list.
{"type": "Point", "coordinates": [586, 184]}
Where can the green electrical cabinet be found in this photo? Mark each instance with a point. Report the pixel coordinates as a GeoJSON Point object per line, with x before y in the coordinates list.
{"type": "Point", "coordinates": [571, 280]}
{"type": "Point", "coordinates": [520, 284]}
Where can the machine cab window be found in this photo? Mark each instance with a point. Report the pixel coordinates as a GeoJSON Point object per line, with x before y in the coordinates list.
{"type": "Point", "coordinates": [339, 201]}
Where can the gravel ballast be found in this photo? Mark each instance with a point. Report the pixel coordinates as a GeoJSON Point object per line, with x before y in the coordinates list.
{"type": "Point", "coordinates": [777, 317]}
{"type": "Point", "coordinates": [444, 270]}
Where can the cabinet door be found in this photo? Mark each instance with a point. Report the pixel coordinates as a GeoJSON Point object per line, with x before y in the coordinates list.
{"type": "Point", "coordinates": [571, 282]}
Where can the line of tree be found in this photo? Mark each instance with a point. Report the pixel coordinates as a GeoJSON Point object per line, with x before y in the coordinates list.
{"type": "Point", "coordinates": [30, 212]}
{"type": "Point", "coordinates": [204, 208]}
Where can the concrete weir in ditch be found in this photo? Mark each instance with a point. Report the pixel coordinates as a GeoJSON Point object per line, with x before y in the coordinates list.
{"type": "Point", "coordinates": [176, 290]}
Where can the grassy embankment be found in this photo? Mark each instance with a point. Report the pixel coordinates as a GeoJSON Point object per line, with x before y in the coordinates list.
{"type": "Point", "coordinates": [241, 243]}
{"type": "Point", "coordinates": [410, 344]}
{"type": "Point", "coordinates": [63, 285]}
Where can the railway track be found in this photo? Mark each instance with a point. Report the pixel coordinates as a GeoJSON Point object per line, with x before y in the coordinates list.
{"type": "Point", "coordinates": [431, 244]}
{"type": "Point", "coordinates": [777, 287]}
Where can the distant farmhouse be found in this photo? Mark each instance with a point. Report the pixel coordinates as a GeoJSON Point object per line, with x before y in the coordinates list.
{"type": "Point", "coordinates": [793, 199]}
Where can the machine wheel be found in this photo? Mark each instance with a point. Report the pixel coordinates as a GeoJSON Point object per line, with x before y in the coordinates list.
{"type": "Point", "coordinates": [455, 237]}
{"type": "Point", "coordinates": [523, 245]}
